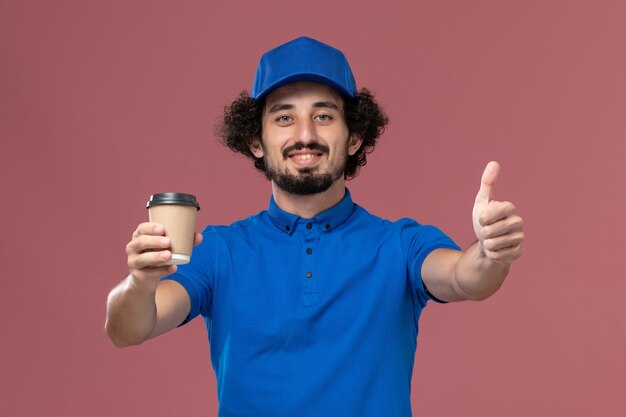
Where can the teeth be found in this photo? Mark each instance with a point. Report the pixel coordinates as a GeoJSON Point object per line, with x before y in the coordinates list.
{"type": "Point", "coordinates": [304, 156]}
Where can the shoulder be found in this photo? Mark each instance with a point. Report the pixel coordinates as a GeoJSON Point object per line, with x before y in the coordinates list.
{"type": "Point", "coordinates": [362, 215]}
{"type": "Point", "coordinates": [410, 232]}
{"type": "Point", "coordinates": [241, 232]}
{"type": "Point", "coordinates": [396, 232]}
{"type": "Point", "coordinates": [235, 227]}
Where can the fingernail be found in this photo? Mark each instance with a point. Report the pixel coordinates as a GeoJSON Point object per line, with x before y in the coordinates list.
{"type": "Point", "coordinates": [165, 242]}
{"type": "Point", "coordinates": [165, 255]}
{"type": "Point", "coordinates": [158, 229]}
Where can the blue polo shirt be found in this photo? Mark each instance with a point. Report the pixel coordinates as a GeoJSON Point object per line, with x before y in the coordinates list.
{"type": "Point", "coordinates": [312, 317]}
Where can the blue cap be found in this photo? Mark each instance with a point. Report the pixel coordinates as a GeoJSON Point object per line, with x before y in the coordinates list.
{"type": "Point", "coordinates": [303, 59]}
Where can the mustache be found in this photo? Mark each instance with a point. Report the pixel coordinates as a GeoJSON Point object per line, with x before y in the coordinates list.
{"type": "Point", "coordinates": [314, 146]}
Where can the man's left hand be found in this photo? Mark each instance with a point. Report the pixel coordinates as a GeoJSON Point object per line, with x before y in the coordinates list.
{"type": "Point", "coordinates": [498, 227]}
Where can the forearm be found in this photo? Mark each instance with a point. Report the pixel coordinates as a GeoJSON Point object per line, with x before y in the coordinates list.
{"type": "Point", "coordinates": [131, 313]}
{"type": "Point", "coordinates": [476, 277]}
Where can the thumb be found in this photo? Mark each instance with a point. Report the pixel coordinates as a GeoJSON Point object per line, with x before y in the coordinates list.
{"type": "Point", "coordinates": [488, 180]}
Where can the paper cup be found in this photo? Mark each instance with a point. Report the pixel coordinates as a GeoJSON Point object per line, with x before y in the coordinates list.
{"type": "Point", "coordinates": [177, 213]}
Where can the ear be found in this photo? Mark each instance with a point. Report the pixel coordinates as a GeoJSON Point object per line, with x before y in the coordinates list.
{"type": "Point", "coordinates": [354, 143]}
{"type": "Point", "coordinates": [256, 148]}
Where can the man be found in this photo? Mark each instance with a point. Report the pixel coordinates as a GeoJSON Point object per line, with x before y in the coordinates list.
{"type": "Point", "coordinates": [312, 305]}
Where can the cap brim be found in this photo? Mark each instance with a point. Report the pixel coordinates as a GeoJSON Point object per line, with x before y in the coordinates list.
{"type": "Point", "coordinates": [293, 78]}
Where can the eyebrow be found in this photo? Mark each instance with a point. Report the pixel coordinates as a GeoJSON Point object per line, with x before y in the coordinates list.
{"type": "Point", "coordinates": [279, 107]}
{"type": "Point", "coordinates": [328, 104]}
{"type": "Point", "coordinates": [320, 104]}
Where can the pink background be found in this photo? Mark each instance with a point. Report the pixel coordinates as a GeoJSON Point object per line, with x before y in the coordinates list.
{"type": "Point", "coordinates": [104, 103]}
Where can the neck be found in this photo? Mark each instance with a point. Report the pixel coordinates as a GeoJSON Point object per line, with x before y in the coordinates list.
{"type": "Point", "coordinates": [308, 206]}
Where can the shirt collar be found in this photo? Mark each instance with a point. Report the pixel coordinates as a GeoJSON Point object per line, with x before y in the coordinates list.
{"type": "Point", "coordinates": [328, 220]}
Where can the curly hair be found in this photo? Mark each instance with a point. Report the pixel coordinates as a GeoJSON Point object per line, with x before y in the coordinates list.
{"type": "Point", "coordinates": [242, 123]}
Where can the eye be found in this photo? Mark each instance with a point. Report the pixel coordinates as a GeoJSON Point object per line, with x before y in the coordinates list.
{"type": "Point", "coordinates": [283, 119]}
{"type": "Point", "coordinates": [323, 117]}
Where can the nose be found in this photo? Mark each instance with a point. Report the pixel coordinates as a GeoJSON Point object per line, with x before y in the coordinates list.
{"type": "Point", "coordinates": [306, 131]}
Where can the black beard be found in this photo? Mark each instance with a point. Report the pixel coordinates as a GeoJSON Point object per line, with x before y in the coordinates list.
{"type": "Point", "coordinates": [307, 182]}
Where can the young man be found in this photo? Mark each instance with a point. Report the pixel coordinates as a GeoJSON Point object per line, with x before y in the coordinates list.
{"type": "Point", "coordinates": [312, 305]}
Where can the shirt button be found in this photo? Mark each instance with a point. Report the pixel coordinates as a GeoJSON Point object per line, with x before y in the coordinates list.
{"type": "Point", "coordinates": [328, 227]}
{"type": "Point", "coordinates": [309, 225]}
{"type": "Point", "coordinates": [287, 228]}
{"type": "Point", "coordinates": [309, 251]}
{"type": "Point", "coordinates": [309, 274]}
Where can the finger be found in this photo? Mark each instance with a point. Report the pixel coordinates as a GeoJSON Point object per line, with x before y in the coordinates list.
{"type": "Point", "coordinates": [148, 259]}
{"type": "Point", "coordinates": [496, 210]}
{"type": "Point", "coordinates": [147, 243]}
{"type": "Point", "coordinates": [509, 224]}
{"type": "Point", "coordinates": [502, 242]}
{"type": "Point", "coordinates": [197, 239]}
{"type": "Point", "coordinates": [488, 180]}
{"type": "Point", "coordinates": [506, 255]}
{"type": "Point", "coordinates": [149, 228]}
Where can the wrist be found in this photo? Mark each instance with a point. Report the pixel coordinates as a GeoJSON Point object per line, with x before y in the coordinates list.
{"type": "Point", "coordinates": [141, 285]}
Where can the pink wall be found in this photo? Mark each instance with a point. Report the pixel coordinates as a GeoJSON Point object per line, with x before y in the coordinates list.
{"type": "Point", "coordinates": [104, 103]}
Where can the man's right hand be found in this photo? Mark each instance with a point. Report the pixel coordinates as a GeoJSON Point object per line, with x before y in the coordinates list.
{"type": "Point", "coordinates": [147, 252]}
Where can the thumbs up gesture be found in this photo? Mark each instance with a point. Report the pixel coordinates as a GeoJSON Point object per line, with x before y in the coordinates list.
{"type": "Point", "coordinates": [500, 231]}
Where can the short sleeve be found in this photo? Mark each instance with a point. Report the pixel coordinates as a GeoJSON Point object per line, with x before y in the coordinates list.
{"type": "Point", "coordinates": [197, 276]}
{"type": "Point", "coordinates": [419, 241]}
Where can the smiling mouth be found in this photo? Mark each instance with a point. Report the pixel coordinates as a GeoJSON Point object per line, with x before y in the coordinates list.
{"type": "Point", "coordinates": [304, 151]}
{"type": "Point", "coordinates": [305, 159]}
{"type": "Point", "coordinates": [305, 156]}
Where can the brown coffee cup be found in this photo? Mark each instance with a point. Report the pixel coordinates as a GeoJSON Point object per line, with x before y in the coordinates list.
{"type": "Point", "coordinates": [177, 213]}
